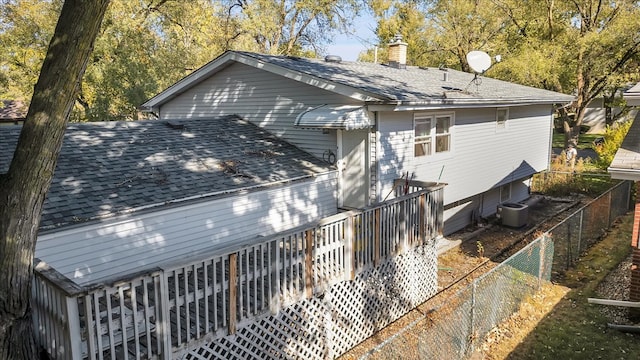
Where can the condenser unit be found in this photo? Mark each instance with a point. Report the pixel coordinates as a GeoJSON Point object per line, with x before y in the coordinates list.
{"type": "Point", "coordinates": [513, 214]}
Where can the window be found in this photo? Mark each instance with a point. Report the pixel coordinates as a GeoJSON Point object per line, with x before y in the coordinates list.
{"type": "Point", "coordinates": [502, 115]}
{"type": "Point", "coordinates": [432, 133]}
{"type": "Point", "coordinates": [505, 193]}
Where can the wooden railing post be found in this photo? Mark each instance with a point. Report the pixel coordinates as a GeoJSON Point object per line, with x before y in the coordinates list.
{"type": "Point", "coordinates": [233, 292]}
{"type": "Point", "coordinates": [308, 263]}
{"type": "Point", "coordinates": [349, 253]}
{"type": "Point", "coordinates": [73, 323]}
{"type": "Point", "coordinates": [274, 303]}
{"type": "Point", "coordinates": [376, 237]}
{"type": "Point", "coordinates": [423, 214]}
{"type": "Point", "coordinates": [402, 227]}
{"type": "Point", "coordinates": [164, 320]}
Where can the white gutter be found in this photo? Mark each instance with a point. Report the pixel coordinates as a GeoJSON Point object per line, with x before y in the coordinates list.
{"type": "Point", "coordinates": [624, 174]}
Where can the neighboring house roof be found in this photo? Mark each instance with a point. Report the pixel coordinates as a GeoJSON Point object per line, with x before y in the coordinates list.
{"type": "Point", "coordinates": [12, 110]}
{"type": "Point", "coordinates": [376, 83]}
{"type": "Point", "coordinates": [632, 96]}
{"type": "Point", "coordinates": [111, 168]}
{"type": "Point", "coordinates": [626, 163]}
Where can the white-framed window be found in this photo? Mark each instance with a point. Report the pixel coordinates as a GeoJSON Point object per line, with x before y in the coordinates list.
{"type": "Point", "coordinates": [502, 115]}
{"type": "Point", "coordinates": [505, 193]}
{"type": "Point", "coordinates": [432, 133]}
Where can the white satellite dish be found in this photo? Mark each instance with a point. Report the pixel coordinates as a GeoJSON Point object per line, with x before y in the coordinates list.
{"type": "Point", "coordinates": [479, 61]}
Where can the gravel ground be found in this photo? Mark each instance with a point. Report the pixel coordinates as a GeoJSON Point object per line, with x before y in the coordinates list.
{"type": "Point", "coordinates": [616, 287]}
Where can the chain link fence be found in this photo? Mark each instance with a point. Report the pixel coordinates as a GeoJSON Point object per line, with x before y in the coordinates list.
{"type": "Point", "coordinates": [453, 330]}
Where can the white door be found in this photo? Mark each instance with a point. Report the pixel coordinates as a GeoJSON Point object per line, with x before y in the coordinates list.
{"type": "Point", "coordinates": [355, 177]}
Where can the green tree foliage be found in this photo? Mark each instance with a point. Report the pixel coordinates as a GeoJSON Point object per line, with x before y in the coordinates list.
{"type": "Point", "coordinates": [25, 30]}
{"type": "Point", "coordinates": [584, 47]}
{"type": "Point", "coordinates": [294, 27]}
{"type": "Point", "coordinates": [145, 46]}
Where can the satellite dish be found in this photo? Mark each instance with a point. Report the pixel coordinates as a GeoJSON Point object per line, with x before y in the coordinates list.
{"type": "Point", "coordinates": [479, 61]}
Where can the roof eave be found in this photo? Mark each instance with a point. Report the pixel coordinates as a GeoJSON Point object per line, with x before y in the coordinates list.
{"type": "Point", "coordinates": [228, 57]}
{"type": "Point", "coordinates": [398, 105]}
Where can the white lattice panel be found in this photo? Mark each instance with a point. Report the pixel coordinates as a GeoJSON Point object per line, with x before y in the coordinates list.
{"type": "Point", "coordinates": [345, 315]}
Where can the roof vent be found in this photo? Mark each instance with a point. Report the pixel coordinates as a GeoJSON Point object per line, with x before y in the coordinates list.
{"type": "Point", "coordinates": [333, 58]}
{"type": "Point", "coordinates": [175, 124]}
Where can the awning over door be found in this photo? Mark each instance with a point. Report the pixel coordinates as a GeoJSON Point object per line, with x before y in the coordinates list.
{"type": "Point", "coordinates": [345, 117]}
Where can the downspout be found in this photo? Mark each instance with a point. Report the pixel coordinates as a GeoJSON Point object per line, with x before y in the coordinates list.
{"type": "Point", "coordinates": [376, 156]}
{"type": "Point", "coordinates": [340, 166]}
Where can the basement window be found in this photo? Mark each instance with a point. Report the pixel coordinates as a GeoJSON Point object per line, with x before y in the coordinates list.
{"type": "Point", "coordinates": [505, 193]}
{"type": "Point", "coordinates": [502, 115]}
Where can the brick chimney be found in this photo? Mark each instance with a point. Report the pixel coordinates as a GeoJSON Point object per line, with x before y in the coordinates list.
{"type": "Point", "coordinates": [398, 53]}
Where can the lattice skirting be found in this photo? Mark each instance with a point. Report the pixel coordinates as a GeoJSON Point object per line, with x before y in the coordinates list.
{"type": "Point", "coordinates": [326, 326]}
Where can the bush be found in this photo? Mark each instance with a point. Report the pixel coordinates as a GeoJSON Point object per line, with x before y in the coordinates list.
{"type": "Point", "coordinates": [613, 137]}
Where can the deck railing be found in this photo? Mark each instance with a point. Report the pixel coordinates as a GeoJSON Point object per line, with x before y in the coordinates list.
{"type": "Point", "coordinates": [166, 311]}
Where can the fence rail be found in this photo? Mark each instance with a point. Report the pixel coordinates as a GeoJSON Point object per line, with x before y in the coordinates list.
{"type": "Point", "coordinates": [165, 312]}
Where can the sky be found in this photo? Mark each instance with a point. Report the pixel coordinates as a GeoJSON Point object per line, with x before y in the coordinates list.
{"type": "Point", "coordinates": [349, 46]}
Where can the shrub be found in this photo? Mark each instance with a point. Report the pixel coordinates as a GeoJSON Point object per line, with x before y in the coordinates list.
{"type": "Point", "coordinates": [613, 137]}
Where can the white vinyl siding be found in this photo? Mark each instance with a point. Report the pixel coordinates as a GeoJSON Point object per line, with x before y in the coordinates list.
{"type": "Point", "coordinates": [137, 242]}
{"type": "Point", "coordinates": [484, 205]}
{"type": "Point", "coordinates": [267, 100]}
{"type": "Point", "coordinates": [481, 158]}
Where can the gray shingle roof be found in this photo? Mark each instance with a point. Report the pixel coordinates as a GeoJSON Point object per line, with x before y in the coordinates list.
{"type": "Point", "coordinates": [376, 83]}
{"type": "Point", "coordinates": [110, 168]}
{"type": "Point", "coordinates": [413, 84]}
{"type": "Point", "coordinates": [12, 110]}
{"type": "Point", "coordinates": [626, 163]}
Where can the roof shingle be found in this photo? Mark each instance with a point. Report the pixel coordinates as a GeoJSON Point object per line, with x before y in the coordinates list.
{"type": "Point", "coordinates": [109, 168]}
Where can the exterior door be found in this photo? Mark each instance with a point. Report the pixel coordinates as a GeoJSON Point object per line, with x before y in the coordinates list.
{"type": "Point", "coordinates": [355, 177]}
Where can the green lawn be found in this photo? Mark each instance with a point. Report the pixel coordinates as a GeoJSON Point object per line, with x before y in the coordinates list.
{"type": "Point", "coordinates": [584, 142]}
{"type": "Point", "coordinates": [576, 329]}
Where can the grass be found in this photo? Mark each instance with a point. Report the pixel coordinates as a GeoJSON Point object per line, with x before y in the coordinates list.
{"type": "Point", "coordinates": [585, 141]}
{"type": "Point", "coordinates": [573, 328]}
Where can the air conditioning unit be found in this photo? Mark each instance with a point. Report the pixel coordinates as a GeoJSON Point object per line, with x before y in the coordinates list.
{"type": "Point", "coordinates": [513, 214]}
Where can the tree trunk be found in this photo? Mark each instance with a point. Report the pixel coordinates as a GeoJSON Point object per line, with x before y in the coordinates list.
{"type": "Point", "coordinates": [24, 187]}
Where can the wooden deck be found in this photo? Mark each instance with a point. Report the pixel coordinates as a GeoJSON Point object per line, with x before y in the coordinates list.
{"type": "Point", "coordinates": [165, 312]}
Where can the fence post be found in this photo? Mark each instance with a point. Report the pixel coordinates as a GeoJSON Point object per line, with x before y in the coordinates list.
{"type": "Point", "coordinates": [472, 321]}
{"type": "Point", "coordinates": [580, 231]}
{"type": "Point", "coordinates": [542, 243]}
{"type": "Point", "coordinates": [308, 263]}
{"type": "Point", "coordinates": [569, 249]}
{"type": "Point", "coordinates": [233, 292]}
{"type": "Point", "coordinates": [349, 255]}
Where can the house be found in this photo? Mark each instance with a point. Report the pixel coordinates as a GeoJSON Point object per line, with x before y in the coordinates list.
{"type": "Point", "coordinates": [12, 112]}
{"type": "Point", "coordinates": [626, 166]}
{"type": "Point", "coordinates": [268, 180]}
{"type": "Point", "coordinates": [483, 137]}
{"type": "Point", "coordinates": [163, 239]}
{"type": "Point", "coordinates": [127, 196]}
